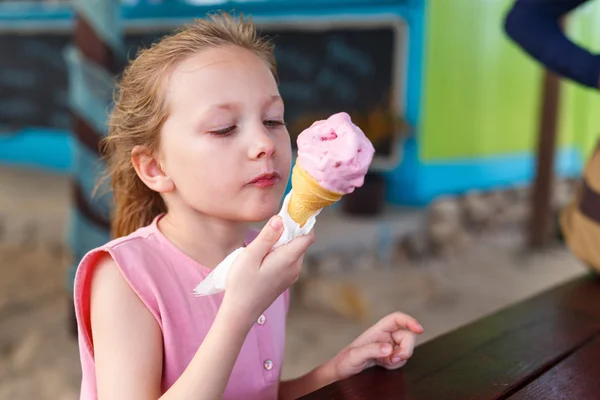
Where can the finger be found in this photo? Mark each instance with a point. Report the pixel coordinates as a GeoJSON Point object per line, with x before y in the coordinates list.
{"type": "Point", "coordinates": [391, 323]}
{"type": "Point", "coordinates": [398, 320]}
{"type": "Point", "coordinates": [289, 253]}
{"type": "Point", "coordinates": [266, 239]}
{"type": "Point", "coordinates": [364, 356]}
{"type": "Point", "coordinates": [405, 346]}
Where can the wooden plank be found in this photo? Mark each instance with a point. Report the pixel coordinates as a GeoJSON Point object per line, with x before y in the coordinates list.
{"type": "Point", "coordinates": [577, 377]}
{"type": "Point", "coordinates": [575, 302]}
{"type": "Point", "coordinates": [492, 370]}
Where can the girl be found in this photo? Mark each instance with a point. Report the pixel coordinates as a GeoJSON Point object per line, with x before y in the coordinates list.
{"type": "Point", "coordinates": [197, 149]}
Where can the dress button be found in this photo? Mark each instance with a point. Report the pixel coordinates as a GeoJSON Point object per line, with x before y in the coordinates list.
{"type": "Point", "coordinates": [261, 320]}
{"type": "Point", "coordinates": [268, 364]}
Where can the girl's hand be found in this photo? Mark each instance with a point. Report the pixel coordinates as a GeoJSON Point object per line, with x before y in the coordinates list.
{"type": "Point", "coordinates": [258, 276]}
{"type": "Point", "coordinates": [389, 344]}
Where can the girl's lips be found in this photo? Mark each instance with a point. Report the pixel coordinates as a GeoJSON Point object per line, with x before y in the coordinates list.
{"type": "Point", "coordinates": [265, 180]}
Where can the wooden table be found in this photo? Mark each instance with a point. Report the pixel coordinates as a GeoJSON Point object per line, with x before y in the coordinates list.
{"type": "Point", "coordinates": [547, 347]}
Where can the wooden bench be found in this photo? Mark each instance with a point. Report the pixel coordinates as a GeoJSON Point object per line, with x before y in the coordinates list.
{"type": "Point", "coordinates": [547, 347]}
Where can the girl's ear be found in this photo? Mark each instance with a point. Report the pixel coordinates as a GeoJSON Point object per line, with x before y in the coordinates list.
{"type": "Point", "coordinates": [150, 170]}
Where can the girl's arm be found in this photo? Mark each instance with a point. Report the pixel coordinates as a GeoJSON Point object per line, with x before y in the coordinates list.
{"type": "Point", "coordinates": [535, 26]}
{"type": "Point", "coordinates": [389, 343]}
{"type": "Point", "coordinates": [321, 376]}
{"type": "Point", "coordinates": [128, 345]}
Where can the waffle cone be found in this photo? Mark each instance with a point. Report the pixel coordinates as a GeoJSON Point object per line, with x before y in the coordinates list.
{"type": "Point", "coordinates": [308, 196]}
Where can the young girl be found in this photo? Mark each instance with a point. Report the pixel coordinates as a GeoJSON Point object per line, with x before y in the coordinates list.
{"type": "Point", "coordinates": [197, 149]}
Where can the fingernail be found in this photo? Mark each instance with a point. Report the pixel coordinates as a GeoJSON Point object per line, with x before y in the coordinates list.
{"type": "Point", "coordinates": [275, 223]}
{"type": "Point", "coordinates": [386, 348]}
{"type": "Point", "coordinates": [396, 359]}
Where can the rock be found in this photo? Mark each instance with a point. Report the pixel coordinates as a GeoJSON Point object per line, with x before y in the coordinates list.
{"type": "Point", "coordinates": [517, 215]}
{"type": "Point", "coordinates": [445, 209]}
{"type": "Point", "coordinates": [500, 200]}
{"type": "Point", "coordinates": [415, 246]}
{"type": "Point", "coordinates": [479, 210]}
{"type": "Point", "coordinates": [444, 223]}
{"type": "Point", "coordinates": [446, 237]}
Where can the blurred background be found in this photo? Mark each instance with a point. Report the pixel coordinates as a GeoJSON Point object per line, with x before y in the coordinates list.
{"type": "Point", "coordinates": [445, 227]}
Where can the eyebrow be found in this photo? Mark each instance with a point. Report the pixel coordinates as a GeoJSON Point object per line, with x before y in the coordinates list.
{"type": "Point", "coordinates": [273, 99]}
{"type": "Point", "coordinates": [231, 106]}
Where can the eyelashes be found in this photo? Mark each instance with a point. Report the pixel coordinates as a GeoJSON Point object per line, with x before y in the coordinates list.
{"type": "Point", "coordinates": [224, 132]}
{"type": "Point", "coordinates": [271, 124]}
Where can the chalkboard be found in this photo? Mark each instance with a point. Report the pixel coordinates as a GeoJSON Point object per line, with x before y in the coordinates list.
{"type": "Point", "coordinates": [322, 71]}
{"type": "Point", "coordinates": [343, 69]}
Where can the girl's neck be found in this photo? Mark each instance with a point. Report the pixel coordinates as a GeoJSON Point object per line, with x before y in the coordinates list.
{"type": "Point", "coordinates": [205, 239]}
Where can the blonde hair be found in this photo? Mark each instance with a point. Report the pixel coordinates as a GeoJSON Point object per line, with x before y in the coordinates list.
{"type": "Point", "coordinates": [140, 110]}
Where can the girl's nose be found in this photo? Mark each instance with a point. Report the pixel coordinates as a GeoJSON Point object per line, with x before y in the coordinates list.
{"type": "Point", "coordinates": [263, 145]}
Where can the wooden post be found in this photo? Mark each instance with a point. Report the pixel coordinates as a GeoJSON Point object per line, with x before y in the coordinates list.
{"type": "Point", "coordinates": [90, 225]}
{"type": "Point", "coordinates": [98, 52]}
{"type": "Point", "coordinates": [541, 202]}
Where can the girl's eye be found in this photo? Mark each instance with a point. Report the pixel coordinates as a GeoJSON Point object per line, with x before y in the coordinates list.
{"type": "Point", "coordinates": [273, 123]}
{"type": "Point", "coordinates": [225, 131]}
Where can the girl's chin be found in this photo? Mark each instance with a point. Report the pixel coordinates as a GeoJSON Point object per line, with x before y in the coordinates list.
{"type": "Point", "coordinates": [262, 216]}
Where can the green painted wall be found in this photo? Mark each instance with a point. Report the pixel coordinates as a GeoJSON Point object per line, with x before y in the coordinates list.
{"type": "Point", "coordinates": [481, 92]}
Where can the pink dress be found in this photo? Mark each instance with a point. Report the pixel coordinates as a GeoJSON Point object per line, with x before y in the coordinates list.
{"type": "Point", "coordinates": [164, 277]}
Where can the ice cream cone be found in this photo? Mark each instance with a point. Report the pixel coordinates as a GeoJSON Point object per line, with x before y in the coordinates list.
{"type": "Point", "coordinates": [308, 196]}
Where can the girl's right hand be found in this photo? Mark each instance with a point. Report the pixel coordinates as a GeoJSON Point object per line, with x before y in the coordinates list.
{"type": "Point", "coordinates": [258, 276]}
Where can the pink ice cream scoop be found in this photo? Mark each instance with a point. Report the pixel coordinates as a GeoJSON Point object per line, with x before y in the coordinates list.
{"type": "Point", "coordinates": [336, 153]}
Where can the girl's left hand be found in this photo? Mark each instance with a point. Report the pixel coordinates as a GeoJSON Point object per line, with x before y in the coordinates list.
{"type": "Point", "coordinates": [389, 344]}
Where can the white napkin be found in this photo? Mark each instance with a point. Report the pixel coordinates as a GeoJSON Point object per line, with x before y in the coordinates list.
{"type": "Point", "coordinates": [215, 281]}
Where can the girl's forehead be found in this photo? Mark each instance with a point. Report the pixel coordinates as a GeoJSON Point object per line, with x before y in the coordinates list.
{"type": "Point", "coordinates": [220, 75]}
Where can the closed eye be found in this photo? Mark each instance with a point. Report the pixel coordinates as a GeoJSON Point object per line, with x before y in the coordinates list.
{"type": "Point", "coordinates": [225, 131]}
{"type": "Point", "coordinates": [273, 123]}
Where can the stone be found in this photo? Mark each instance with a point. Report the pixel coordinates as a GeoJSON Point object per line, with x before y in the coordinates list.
{"type": "Point", "coordinates": [478, 209]}
{"type": "Point", "coordinates": [447, 237]}
{"type": "Point", "coordinates": [500, 200]}
{"type": "Point", "coordinates": [445, 209]}
{"type": "Point", "coordinates": [415, 246]}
